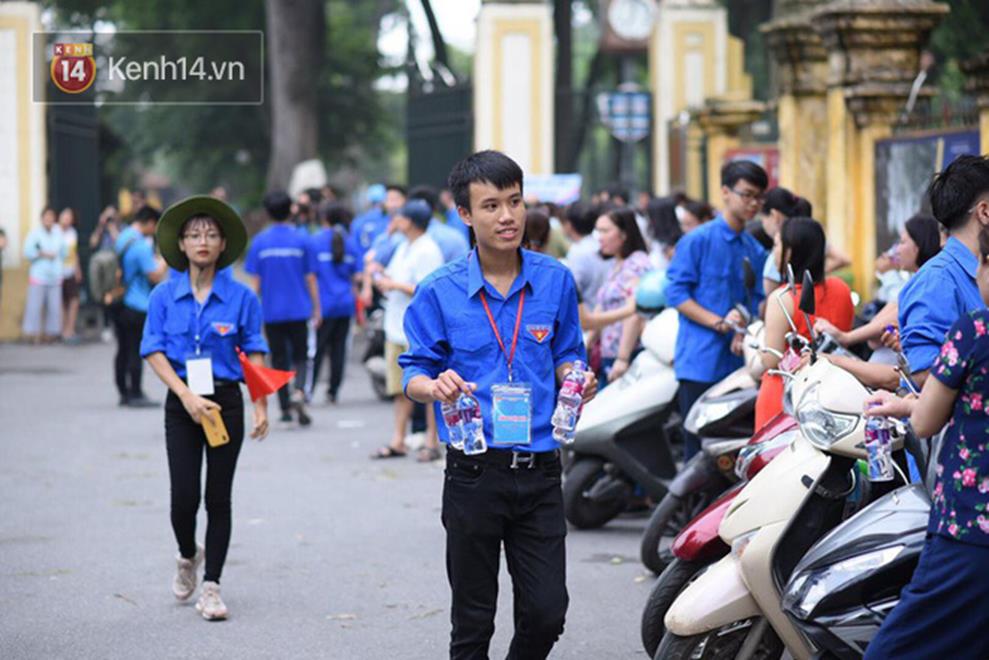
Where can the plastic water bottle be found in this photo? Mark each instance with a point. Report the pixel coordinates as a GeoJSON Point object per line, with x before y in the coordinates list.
{"type": "Point", "coordinates": [879, 447]}
{"type": "Point", "coordinates": [568, 404]}
{"type": "Point", "coordinates": [454, 427]}
{"type": "Point", "coordinates": [472, 425]}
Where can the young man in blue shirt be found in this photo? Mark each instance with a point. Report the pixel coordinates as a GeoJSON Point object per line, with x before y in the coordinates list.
{"type": "Point", "coordinates": [284, 269]}
{"type": "Point", "coordinates": [140, 271]}
{"type": "Point", "coordinates": [464, 326]}
{"type": "Point", "coordinates": [945, 288]}
{"type": "Point", "coordinates": [707, 281]}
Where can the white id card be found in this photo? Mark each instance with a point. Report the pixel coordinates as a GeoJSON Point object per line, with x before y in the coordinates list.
{"type": "Point", "coordinates": [511, 413]}
{"type": "Point", "coordinates": [199, 373]}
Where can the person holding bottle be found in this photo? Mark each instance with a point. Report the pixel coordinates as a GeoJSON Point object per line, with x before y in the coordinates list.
{"type": "Point", "coordinates": [502, 324]}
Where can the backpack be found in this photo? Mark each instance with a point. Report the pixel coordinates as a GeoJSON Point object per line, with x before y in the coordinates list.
{"type": "Point", "coordinates": [104, 272]}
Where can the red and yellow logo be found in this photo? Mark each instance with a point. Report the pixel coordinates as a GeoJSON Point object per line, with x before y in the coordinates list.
{"type": "Point", "coordinates": [539, 332]}
{"type": "Point", "coordinates": [73, 67]}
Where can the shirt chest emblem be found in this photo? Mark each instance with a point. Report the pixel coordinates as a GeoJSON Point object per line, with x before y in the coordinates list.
{"type": "Point", "coordinates": [539, 332]}
{"type": "Point", "coordinates": [223, 329]}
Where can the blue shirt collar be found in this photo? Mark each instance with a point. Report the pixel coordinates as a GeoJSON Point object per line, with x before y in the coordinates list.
{"type": "Point", "coordinates": [220, 287]}
{"type": "Point", "coordinates": [725, 229]}
{"type": "Point", "coordinates": [961, 254]}
{"type": "Point", "coordinates": [475, 278]}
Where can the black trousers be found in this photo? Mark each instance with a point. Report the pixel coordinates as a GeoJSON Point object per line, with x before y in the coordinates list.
{"type": "Point", "coordinates": [185, 442]}
{"type": "Point", "coordinates": [129, 327]}
{"type": "Point", "coordinates": [288, 351]}
{"type": "Point", "coordinates": [687, 395]}
{"type": "Point", "coordinates": [331, 343]}
{"type": "Point", "coordinates": [486, 505]}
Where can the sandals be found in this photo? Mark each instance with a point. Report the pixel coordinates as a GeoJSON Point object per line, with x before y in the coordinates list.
{"type": "Point", "coordinates": [428, 454]}
{"type": "Point", "coordinates": [388, 452]}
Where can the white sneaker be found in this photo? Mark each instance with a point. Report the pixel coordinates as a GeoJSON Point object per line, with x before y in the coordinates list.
{"type": "Point", "coordinates": [184, 583]}
{"type": "Point", "coordinates": [210, 605]}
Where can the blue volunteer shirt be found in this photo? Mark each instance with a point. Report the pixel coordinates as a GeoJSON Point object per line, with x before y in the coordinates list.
{"type": "Point", "coordinates": [454, 221]}
{"type": "Point", "coordinates": [136, 263]}
{"type": "Point", "coordinates": [707, 268]}
{"type": "Point", "coordinates": [336, 289]}
{"type": "Point", "coordinates": [451, 243]}
{"type": "Point", "coordinates": [447, 328]}
{"type": "Point", "coordinates": [367, 227]}
{"type": "Point", "coordinates": [281, 257]}
{"type": "Point", "coordinates": [941, 292]}
{"type": "Point", "coordinates": [229, 318]}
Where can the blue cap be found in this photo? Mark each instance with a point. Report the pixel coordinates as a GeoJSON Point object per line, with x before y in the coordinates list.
{"type": "Point", "coordinates": [375, 193]}
{"type": "Point", "coordinates": [418, 211]}
{"type": "Point", "coordinates": [650, 294]}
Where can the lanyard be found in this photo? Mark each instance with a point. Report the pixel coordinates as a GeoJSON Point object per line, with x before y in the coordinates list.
{"type": "Point", "coordinates": [509, 356]}
{"type": "Point", "coordinates": [199, 314]}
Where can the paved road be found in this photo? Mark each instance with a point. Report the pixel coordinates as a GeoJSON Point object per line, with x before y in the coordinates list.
{"type": "Point", "coordinates": [333, 555]}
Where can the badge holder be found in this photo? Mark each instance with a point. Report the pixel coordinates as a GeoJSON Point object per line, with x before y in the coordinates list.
{"type": "Point", "coordinates": [511, 405]}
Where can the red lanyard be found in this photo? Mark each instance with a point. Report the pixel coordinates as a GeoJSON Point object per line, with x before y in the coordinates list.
{"type": "Point", "coordinates": [510, 357]}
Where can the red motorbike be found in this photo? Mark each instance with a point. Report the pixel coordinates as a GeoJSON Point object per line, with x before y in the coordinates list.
{"type": "Point", "coordinates": [698, 545]}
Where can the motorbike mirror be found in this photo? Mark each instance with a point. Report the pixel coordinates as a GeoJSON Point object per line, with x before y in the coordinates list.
{"type": "Point", "coordinates": [790, 277]}
{"type": "Point", "coordinates": [807, 303]}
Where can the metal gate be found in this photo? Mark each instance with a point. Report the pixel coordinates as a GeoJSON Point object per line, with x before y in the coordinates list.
{"type": "Point", "coordinates": [74, 164]}
{"type": "Point", "coordinates": [439, 132]}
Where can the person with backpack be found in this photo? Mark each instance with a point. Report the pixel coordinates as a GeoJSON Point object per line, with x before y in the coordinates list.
{"type": "Point", "coordinates": [140, 270]}
{"type": "Point", "coordinates": [44, 248]}
{"type": "Point", "coordinates": [338, 261]}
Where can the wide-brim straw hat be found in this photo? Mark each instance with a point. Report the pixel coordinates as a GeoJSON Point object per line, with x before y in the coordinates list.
{"type": "Point", "coordinates": [175, 216]}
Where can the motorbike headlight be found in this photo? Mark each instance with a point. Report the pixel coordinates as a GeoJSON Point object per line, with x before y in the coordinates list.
{"type": "Point", "coordinates": [820, 426]}
{"type": "Point", "coordinates": [703, 413]}
{"type": "Point", "coordinates": [750, 452]}
{"type": "Point", "coordinates": [807, 590]}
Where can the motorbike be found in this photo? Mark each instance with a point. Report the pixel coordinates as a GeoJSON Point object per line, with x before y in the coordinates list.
{"type": "Point", "coordinates": [624, 440]}
{"type": "Point", "coordinates": [847, 584]}
{"type": "Point", "coordinates": [734, 608]}
{"type": "Point", "coordinates": [698, 545]}
{"type": "Point", "coordinates": [723, 417]}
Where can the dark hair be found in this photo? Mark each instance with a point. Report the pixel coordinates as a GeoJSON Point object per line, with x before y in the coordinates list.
{"type": "Point", "coordinates": [955, 191]}
{"type": "Point", "coordinates": [278, 205]}
{"type": "Point", "coordinates": [575, 214]}
{"type": "Point", "coordinates": [804, 247]}
{"type": "Point", "coordinates": [624, 219]}
{"type": "Point", "coordinates": [536, 229]}
{"type": "Point", "coordinates": [147, 214]}
{"type": "Point", "coordinates": [337, 216]}
{"type": "Point", "coordinates": [790, 205]}
{"type": "Point", "coordinates": [397, 188]}
{"type": "Point", "coordinates": [759, 233]}
{"type": "Point", "coordinates": [663, 223]}
{"type": "Point", "coordinates": [200, 219]}
{"type": "Point", "coordinates": [700, 210]}
{"type": "Point", "coordinates": [487, 166]}
{"type": "Point", "coordinates": [617, 190]}
{"type": "Point", "coordinates": [924, 231]}
{"type": "Point", "coordinates": [315, 195]}
{"type": "Point", "coordinates": [427, 194]}
{"type": "Point", "coordinates": [744, 170]}
{"type": "Point", "coordinates": [49, 209]}
{"type": "Point", "coordinates": [75, 217]}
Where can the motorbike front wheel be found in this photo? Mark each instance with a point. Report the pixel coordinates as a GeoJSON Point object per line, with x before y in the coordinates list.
{"type": "Point", "coordinates": [667, 520]}
{"type": "Point", "coordinates": [721, 644]}
{"type": "Point", "coordinates": [582, 511]}
{"type": "Point", "coordinates": [671, 582]}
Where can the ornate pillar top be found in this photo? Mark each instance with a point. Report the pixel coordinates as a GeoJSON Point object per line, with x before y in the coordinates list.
{"type": "Point", "coordinates": [874, 51]}
{"type": "Point", "coordinates": [727, 116]}
{"type": "Point", "coordinates": [976, 72]}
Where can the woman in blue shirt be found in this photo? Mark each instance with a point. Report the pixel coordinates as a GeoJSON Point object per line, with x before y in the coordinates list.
{"type": "Point", "coordinates": [942, 612]}
{"type": "Point", "coordinates": [196, 324]}
{"type": "Point", "coordinates": [337, 263]}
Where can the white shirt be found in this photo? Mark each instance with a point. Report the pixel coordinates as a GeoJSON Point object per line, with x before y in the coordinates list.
{"type": "Point", "coordinates": [411, 264]}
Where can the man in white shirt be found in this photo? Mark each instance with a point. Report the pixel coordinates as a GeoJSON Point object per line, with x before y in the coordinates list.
{"type": "Point", "coordinates": [584, 258]}
{"type": "Point", "coordinates": [414, 260]}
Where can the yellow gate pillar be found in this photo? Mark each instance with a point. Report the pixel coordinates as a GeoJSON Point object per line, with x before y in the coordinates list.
{"type": "Point", "coordinates": [977, 74]}
{"type": "Point", "coordinates": [721, 120]}
{"type": "Point", "coordinates": [513, 82]}
{"type": "Point", "coordinates": [802, 111]}
{"type": "Point", "coordinates": [874, 54]}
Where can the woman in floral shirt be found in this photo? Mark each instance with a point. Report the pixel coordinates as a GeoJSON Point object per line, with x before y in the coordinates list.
{"type": "Point", "coordinates": [943, 612]}
{"type": "Point", "coordinates": [620, 238]}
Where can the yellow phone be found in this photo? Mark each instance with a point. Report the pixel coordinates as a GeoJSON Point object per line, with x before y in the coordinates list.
{"type": "Point", "coordinates": [216, 430]}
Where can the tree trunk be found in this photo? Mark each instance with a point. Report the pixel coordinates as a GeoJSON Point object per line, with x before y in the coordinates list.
{"type": "Point", "coordinates": [294, 43]}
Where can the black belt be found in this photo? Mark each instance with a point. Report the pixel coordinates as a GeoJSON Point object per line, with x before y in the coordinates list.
{"type": "Point", "coordinates": [220, 383]}
{"type": "Point", "coordinates": [508, 458]}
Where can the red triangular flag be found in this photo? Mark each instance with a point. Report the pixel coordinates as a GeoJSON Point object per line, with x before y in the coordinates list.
{"type": "Point", "coordinates": [262, 381]}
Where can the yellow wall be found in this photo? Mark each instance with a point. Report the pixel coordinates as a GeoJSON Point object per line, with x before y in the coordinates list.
{"type": "Point", "coordinates": [717, 145]}
{"type": "Point", "coordinates": [803, 130]}
{"type": "Point", "coordinates": [984, 129]}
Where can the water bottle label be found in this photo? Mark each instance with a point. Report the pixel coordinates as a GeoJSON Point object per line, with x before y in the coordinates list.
{"type": "Point", "coordinates": [511, 414]}
{"type": "Point", "coordinates": [879, 450]}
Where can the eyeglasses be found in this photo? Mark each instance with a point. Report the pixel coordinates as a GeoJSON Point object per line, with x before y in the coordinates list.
{"type": "Point", "coordinates": [750, 197]}
{"type": "Point", "coordinates": [211, 237]}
